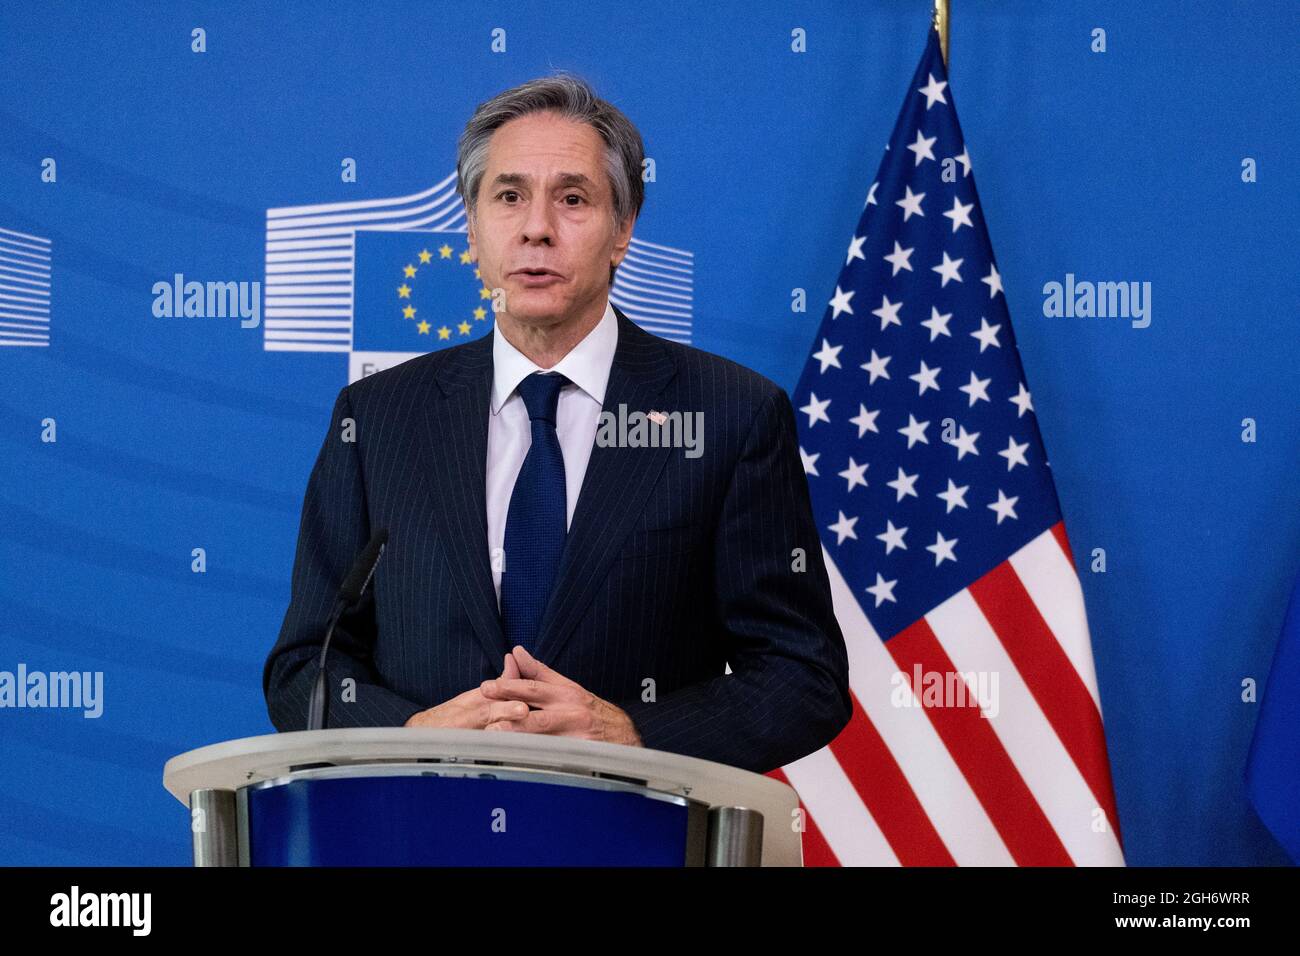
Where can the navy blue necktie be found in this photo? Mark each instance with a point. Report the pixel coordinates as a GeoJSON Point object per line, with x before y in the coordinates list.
{"type": "Point", "coordinates": [536, 522]}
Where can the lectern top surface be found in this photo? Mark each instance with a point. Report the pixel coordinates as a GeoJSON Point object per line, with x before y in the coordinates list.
{"type": "Point", "coordinates": [237, 763]}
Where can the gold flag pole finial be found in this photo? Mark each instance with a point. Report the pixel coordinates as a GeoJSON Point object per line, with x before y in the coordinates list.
{"type": "Point", "coordinates": [941, 24]}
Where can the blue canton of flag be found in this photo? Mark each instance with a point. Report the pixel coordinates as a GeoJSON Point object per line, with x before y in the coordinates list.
{"type": "Point", "coordinates": [916, 427]}
{"type": "Point", "coordinates": [416, 292]}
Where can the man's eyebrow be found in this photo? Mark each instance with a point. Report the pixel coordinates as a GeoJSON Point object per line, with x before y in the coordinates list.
{"type": "Point", "coordinates": [523, 179]}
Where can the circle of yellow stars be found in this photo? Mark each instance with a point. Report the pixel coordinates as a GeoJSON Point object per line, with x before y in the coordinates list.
{"type": "Point", "coordinates": [404, 292]}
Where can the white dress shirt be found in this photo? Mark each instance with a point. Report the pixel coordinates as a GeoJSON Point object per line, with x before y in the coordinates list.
{"type": "Point", "coordinates": [577, 415]}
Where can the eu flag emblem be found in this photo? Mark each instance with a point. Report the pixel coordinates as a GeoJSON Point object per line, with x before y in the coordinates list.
{"type": "Point", "coordinates": [416, 292]}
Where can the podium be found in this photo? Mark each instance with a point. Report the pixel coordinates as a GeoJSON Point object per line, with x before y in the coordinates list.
{"type": "Point", "coordinates": [409, 796]}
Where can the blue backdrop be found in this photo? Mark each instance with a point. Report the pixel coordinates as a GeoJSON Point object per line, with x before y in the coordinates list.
{"type": "Point", "coordinates": [182, 433]}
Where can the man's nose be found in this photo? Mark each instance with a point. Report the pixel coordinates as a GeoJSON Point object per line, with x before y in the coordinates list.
{"type": "Point", "coordinates": [539, 225]}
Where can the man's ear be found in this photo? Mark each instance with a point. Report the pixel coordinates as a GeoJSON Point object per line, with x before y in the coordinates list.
{"type": "Point", "coordinates": [473, 242]}
{"type": "Point", "coordinates": [621, 240]}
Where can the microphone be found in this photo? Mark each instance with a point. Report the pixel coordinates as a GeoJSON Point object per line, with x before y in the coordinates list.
{"type": "Point", "coordinates": [354, 586]}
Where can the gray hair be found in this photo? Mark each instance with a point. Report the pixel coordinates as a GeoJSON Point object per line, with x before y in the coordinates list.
{"type": "Point", "coordinates": [573, 98]}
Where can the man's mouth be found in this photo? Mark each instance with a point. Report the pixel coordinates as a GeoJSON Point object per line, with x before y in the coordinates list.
{"type": "Point", "coordinates": [536, 278]}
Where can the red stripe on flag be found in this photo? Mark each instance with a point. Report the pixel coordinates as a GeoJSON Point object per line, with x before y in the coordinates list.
{"type": "Point", "coordinates": [1058, 532]}
{"type": "Point", "coordinates": [997, 784]}
{"type": "Point", "coordinates": [1051, 678]}
{"type": "Point", "coordinates": [867, 761]}
{"type": "Point", "coordinates": [816, 849]}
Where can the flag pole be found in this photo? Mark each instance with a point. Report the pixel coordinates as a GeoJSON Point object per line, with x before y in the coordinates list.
{"type": "Point", "coordinates": [941, 24]}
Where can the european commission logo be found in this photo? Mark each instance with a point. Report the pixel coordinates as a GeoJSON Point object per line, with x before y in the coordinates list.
{"type": "Point", "coordinates": [24, 289]}
{"type": "Point", "coordinates": [387, 280]}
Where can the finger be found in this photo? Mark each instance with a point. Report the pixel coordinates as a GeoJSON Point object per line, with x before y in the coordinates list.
{"type": "Point", "coordinates": [533, 669]}
{"type": "Point", "coordinates": [564, 721]}
{"type": "Point", "coordinates": [511, 668]}
{"type": "Point", "coordinates": [491, 714]}
{"type": "Point", "coordinates": [507, 710]}
{"type": "Point", "coordinates": [534, 692]}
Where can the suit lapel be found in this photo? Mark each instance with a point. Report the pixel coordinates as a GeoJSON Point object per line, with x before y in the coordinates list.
{"type": "Point", "coordinates": [455, 452]}
{"type": "Point", "coordinates": [614, 488]}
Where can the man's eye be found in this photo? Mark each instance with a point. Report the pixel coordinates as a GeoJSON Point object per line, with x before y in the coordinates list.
{"type": "Point", "coordinates": [508, 192]}
{"type": "Point", "coordinates": [575, 196]}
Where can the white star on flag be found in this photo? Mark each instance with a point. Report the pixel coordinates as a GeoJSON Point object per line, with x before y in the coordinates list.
{"type": "Point", "coordinates": [933, 91]}
{"type": "Point", "coordinates": [893, 537]}
{"type": "Point", "coordinates": [949, 269]}
{"type": "Point", "coordinates": [844, 528]}
{"type": "Point", "coordinates": [816, 410]}
{"type": "Point", "coordinates": [926, 378]}
{"type": "Point", "coordinates": [899, 258]}
{"type": "Point", "coordinates": [882, 590]}
{"type": "Point", "coordinates": [937, 324]}
{"type": "Point", "coordinates": [1004, 506]}
{"type": "Point", "coordinates": [855, 249]}
{"type": "Point", "coordinates": [904, 484]}
{"type": "Point", "coordinates": [876, 367]}
{"type": "Point", "coordinates": [840, 303]}
{"type": "Point", "coordinates": [954, 497]}
{"type": "Point", "coordinates": [865, 420]}
{"type": "Point", "coordinates": [994, 280]}
{"type": "Point", "coordinates": [853, 474]}
{"type": "Point", "coordinates": [977, 388]}
{"type": "Point", "coordinates": [959, 214]}
{"type": "Point", "coordinates": [987, 334]}
{"type": "Point", "coordinates": [915, 431]}
{"type": "Point", "coordinates": [829, 355]}
{"type": "Point", "coordinates": [942, 549]}
{"type": "Point", "coordinates": [888, 313]}
{"type": "Point", "coordinates": [911, 204]}
{"type": "Point", "coordinates": [1014, 453]}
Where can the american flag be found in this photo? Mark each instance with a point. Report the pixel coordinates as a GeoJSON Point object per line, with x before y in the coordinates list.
{"type": "Point", "coordinates": [976, 736]}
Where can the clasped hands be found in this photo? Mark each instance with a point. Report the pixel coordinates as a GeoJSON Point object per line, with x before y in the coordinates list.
{"type": "Point", "coordinates": [530, 697]}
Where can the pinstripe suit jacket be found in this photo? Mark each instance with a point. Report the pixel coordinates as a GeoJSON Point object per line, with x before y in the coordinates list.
{"type": "Point", "coordinates": [673, 568]}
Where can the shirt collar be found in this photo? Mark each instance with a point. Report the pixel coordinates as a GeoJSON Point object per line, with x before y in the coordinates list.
{"type": "Point", "coordinates": [587, 364]}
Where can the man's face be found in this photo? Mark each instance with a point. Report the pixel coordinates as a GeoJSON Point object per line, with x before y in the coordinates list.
{"type": "Point", "coordinates": [545, 203]}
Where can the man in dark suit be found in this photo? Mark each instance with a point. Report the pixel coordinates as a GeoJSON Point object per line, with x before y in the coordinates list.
{"type": "Point", "coordinates": [549, 570]}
